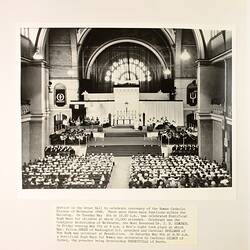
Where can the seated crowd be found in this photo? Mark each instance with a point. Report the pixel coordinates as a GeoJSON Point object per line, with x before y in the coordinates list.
{"type": "Point", "coordinates": [176, 172]}
{"type": "Point", "coordinates": [87, 121]}
{"type": "Point", "coordinates": [172, 134]}
{"type": "Point", "coordinates": [96, 122]}
{"type": "Point", "coordinates": [90, 121]}
{"type": "Point", "coordinates": [25, 109]}
{"type": "Point", "coordinates": [185, 150]}
{"type": "Point", "coordinates": [69, 171]}
{"type": "Point", "coordinates": [71, 136]}
{"type": "Point", "coordinates": [177, 136]}
{"type": "Point", "coordinates": [59, 149]}
{"type": "Point", "coordinates": [192, 129]}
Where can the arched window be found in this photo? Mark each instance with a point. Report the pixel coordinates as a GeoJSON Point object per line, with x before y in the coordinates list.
{"type": "Point", "coordinates": [126, 69]}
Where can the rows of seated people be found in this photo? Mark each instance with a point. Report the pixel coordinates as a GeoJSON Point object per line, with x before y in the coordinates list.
{"type": "Point", "coordinates": [25, 109]}
{"type": "Point", "coordinates": [185, 150]}
{"type": "Point", "coordinates": [93, 122]}
{"type": "Point", "coordinates": [68, 171]}
{"type": "Point", "coordinates": [176, 172]}
{"type": "Point", "coordinates": [59, 149]}
{"type": "Point", "coordinates": [71, 136]}
{"type": "Point", "coordinates": [177, 136]}
{"type": "Point", "coordinates": [170, 133]}
{"type": "Point", "coordinates": [83, 122]}
{"type": "Point", "coordinates": [192, 129]}
{"type": "Point", "coordinates": [90, 121]}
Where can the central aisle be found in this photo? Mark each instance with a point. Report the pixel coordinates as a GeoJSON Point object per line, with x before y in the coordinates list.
{"type": "Point", "coordinates": [120, 174]}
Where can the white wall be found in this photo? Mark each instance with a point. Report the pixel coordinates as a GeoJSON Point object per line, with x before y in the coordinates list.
{"type": "Point", "coordinates": [154, 96]}
{"type": "Point", "coordinates": [158, 108]}
{"type": "Point", "coordinates": [99, 109]}
{"type": "Point", "coordinates": [173, 110]}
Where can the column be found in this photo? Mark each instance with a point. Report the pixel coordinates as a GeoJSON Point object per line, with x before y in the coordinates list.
{"type": "Point", "coordinates": [35, 88]}
{"type": "Point", "coordinates": [205, 124]}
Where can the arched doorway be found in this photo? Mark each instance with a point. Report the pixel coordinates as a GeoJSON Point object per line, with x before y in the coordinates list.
{"type": "Point", "coordinates": [58, 121]}
{"type": "Point", "coordinates": [191, 121]}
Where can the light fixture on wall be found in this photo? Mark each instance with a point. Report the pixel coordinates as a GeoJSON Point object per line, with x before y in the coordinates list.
{"type": "Point", "coordinates": [167, 72]}
{"type": "Point", "coordinates": [49, 87]}
{"type": "Point", "coordinates": [37, 55]}
{"type": "Point", "coordinates": [70, 72]}
{"type": "Point", "coordinates": [185, 55]}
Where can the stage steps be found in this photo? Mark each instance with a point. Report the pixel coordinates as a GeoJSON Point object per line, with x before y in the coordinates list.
{"type": "Point", "coordinates": [124, 126]}
{"type": "Point", "coordinates": [125, 150]}
{"type": "Point", "coordinates": [126, 134]}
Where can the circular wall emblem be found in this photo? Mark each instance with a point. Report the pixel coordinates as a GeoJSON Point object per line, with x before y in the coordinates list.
{"type": "Point", "coordinates": [60, 97]}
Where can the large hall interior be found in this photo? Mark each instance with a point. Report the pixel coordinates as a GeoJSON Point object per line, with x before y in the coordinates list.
{"type": "Point", "coordinates": [126, 108]}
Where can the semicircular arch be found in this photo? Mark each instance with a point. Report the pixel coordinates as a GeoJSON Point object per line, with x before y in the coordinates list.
{"type": "Point", "coordinates": [42, 36]}
{"type": "Point", "coordinates": [99, 50]}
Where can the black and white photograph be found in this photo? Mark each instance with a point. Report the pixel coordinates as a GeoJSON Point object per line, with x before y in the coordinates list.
{"type": "Point", "coordinates": [125, 125]}
{"type": "Point", "coordinates": [109, 108]}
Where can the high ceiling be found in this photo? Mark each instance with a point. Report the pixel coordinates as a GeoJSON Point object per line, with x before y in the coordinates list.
{"type": "Point", "coordinates": [38, 37]}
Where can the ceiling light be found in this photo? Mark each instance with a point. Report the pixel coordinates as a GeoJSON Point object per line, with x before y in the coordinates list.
{"type": "Point", "coordinates": [185, 55]}
{"type": "Point", "coordinates": [70, 72]}
{"type": "Point", "coordinates": [167, 71]}
{"type": "Point", "coordinates": [37, 55]}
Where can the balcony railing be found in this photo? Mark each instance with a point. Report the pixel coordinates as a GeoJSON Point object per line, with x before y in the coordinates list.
{"type": "Point", "coordinates": [229, 111]}
{"type": "Point", "coordinates": [217, 109]}
{"type": "Point", "coordinates": [25, 109]}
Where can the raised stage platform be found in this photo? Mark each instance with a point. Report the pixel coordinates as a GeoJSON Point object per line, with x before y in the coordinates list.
{"type": "Point", "coordinates": [123, 131]}
{"type": "Point", "coordinates": [124, 141]}
{"type": "Point", "coordinates": [125, 150]}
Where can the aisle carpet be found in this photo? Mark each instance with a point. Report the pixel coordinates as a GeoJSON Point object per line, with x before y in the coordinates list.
{"type": "Point", "coordinates": [120, 174]}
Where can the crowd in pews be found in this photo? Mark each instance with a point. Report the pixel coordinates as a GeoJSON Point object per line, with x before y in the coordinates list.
{"type": "Point", "coordinates": [185, 150]}
{"type": "Point", "coordinates": [170, 133]}
{"type": "Point", "coordinates": [177, 136]}
{"type": "Point", "coordinates": [59, 149]}
{"type": "Point", "coordinates": [177, 172]}
{"type": "Point", "coordinates": [71, 136]}
{"type": "Point", "coordinates": [88, 122]}
{"type": "Point", "coordinates": [68, 171]}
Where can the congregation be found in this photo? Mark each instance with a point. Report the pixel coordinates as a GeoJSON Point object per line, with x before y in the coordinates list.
{"type": "Point", "coordinates": [185, 150]}
{"type": "Point", "coordinates": [177, 136]}
{"type": "Point", "coordinates": [164, 91]}
{"type": "Point", "coordinates": [71, 136]}
{"type": "Point", "coordinates": [59, 149]}
{"type": "Point", "coordinates": [172, 134]}
{"type": "Point", "coordinates": [177, 172]}
{"type": "Point", "coordinates": [68, 171]}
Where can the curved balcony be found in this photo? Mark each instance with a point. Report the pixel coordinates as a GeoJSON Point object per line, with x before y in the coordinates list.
{"type": "Point", "coordinates": [25, 107]}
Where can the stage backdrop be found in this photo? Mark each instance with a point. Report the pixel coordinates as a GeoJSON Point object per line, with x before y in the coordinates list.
{"type": "Point", "coordinates": [154, 110]}
{"type": "Point", "coordinates": [172, 110]}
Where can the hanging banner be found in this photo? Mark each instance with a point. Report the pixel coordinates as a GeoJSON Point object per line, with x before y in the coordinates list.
{"type": "Point", "coordinates": [60, 98]}
{"type": "Point", "coordinates": [192, 93]}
